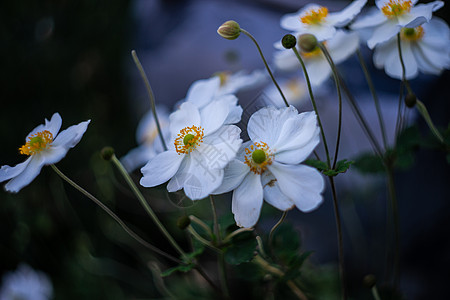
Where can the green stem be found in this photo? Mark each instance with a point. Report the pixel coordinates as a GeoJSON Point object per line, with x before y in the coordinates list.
{"type": "Point", "coordinates": [150, 95]}
{"type": "Point", "coordinates": [424, 112]}
{"type": "Point", "coordinates": [216, 221]}
{"type": "Point", "coordinates": [394, 204]}
{"type": "Point", "coordinates": [283, 216]}
{"type": "Point", "coordinates": [313, 101]}
{"type": "Point", "coordinates": [338, 88]}
{"type": "Point", "coordinates": [374, 95]}
{"type": "Point", "coordinates": [375, 294]}
{"type": "Point", "coordinates": [147, 207]}
{"type": "Point", "coordinates": [114, 216]}
{"type": "Point", "coordinates": [340, 239]}
{"type": "Point", "coordinates": [265, 64]}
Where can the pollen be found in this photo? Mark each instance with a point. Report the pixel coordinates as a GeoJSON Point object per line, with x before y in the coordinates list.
{"type": "Point", "coordinates": [314, 16]}
{"type": "Point", "coordinates": [188, 139]}
{"type": "Point", "coordinates": [258, 156]}
{"type": "Point", "coordinates": [37, 142]}
{"type": "Point", "coordinates": [395, 8]}
{"type": "Point", "coordinates": [412, 34]}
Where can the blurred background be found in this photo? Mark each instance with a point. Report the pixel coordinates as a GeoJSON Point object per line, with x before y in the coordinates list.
{"type": "Point", "coordinates": [73, 57]}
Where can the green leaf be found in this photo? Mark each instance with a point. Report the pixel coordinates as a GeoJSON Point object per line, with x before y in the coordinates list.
{"type": "Point", "coordinates": [295, 266]}
{"type": "Point", "coordinates": [286, 243]}
{"type": "Point", "coordinates": [318, 164]}
{"type": "Point", "coordinates": [343, 165]}
{"type": "Point", "coordinates": [369, 163]}
{"type": "Point", "coordinates": [242, 248]}
{"type": "Point", "coordinates": [181, 268]}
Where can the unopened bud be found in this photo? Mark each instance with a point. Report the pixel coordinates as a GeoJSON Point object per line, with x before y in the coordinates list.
{"type": "Point", "coordinates": [229, 30]}
{"type": "Point", "coordinates": [307, 42]}
{"type": "Point", "coordinates": [183, 222]}
{"type": "Point", "coordinates": [369, 281]}
{"type": "Point", "coordinates": [410, 100]}
{"type": "Point", "coordinates": [289, 41]}
{"type": "Point", "coordinates": [107, 153]}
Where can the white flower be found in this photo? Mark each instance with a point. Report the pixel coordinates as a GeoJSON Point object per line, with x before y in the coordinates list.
{"type": "Point", "coordinates": [148, 139]}
{"type": "Point", "coordinates": [203, 91]}
{"type": "Point", "coordinates": [316, 20]}
{"type": "Point", "coordinates": [294, 89]}
{"type": "Point", "coordinates": [26, 284]}
{"type": "Point", "coordinates": [44, 146]}
{"type": "Point", "coordinates": [202, 145]}
{"type": "Point", "coordinates": [392, 15]}
{"type": "Point", "coordinates": [425, 48]}
{"type": "Point", "coordinates": [340, 47]}
{"type": "Point", "coordinates": [268, 165]}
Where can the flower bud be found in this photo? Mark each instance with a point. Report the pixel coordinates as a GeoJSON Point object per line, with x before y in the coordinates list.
{"type": "Point", "coordinates": [410, 100]}
{"type": "Point", "coordinates": [183, 222]}
{"type": "Point", "coordinates": [229, 30]}
{"type": "Point", "coordinates": [369, 281]}
{"type": "Point", "coordinates": [307, 42]}
{"type": "Point", "coordinates": [107, 153]}
{"type": "Point", "coordinates": [289, 41]}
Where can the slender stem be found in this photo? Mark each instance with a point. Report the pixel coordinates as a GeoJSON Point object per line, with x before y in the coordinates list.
{"type": "Point", "coordinates": [147, 207]}
{"type": "Point", "coordinates": [275, 271]}
{"type": "Point", "coordinates": [114, 216]}
{"type": "Point", "coordinates": [399, 113]}
{"type": "Point", "coordinates": [201, 239]}
{"type": "Point", "coordinates": [338, 88]}
{"type": "Point", "coordinates": [313, 101]}
{"type": "Point", "coordinates": [265, 64]}
{"type": "Point", "coordinates": [423, 111]}
{"type": "Point", "coordinates": [283, 216]}
{"type": "Point", "coordinates": [221, 259]}
{"type": "Point", "coordinates": [340, 239]}
{"type": "Point", "coordinates": [234, 233]}
{"type": "Point", "coordinates": [361, 120]}
{"type": "Point", "coordinates": [150, 95]}
{"type": "Point", "coordinates": [206, 277]}
{"type": "Point", "coordinates": [201, 224]}
{"type": "Point", "coordinates": [394, 203]}
{"type": "Point", "coordinates": [399, 46]}
{"type": "Point", "coordinates": [375, 294]}
{"type": "Point", "coordinates": [374, 95]}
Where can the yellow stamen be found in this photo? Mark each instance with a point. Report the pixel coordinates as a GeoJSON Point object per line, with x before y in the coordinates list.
{"type": "Point", "coordinates": [223, 76]}
{"type": "Point", "coordinates": [412, 34]}
{"type": "Point", "coordinates": [188, 139]}
{"type": "Point", "coordinates": [314, 16]}
{"type": "Point", "coordinates": [258, 156]}
{"type": "Point", "coordinates": [395, 8]}
{"type": "Point", "coordinates": [315, 53]}
{"type": "Point", "coordinates": [37, 142]}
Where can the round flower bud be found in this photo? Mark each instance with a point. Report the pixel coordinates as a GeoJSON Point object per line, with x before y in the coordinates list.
{"type": "Point", "coordinates": [410, 100]}
{"type": "Point", "coordinates": [183, 222]}
{"type": "Point", "coordinates": [289, 41]}
{"type": "Point", "coordinates": [307, 42]}
{"type": "Point", "coordinates": [229, 30]}
{"type": "Point", "coordinates": [369, 281]}
{"type": "Point", "coordinates": [107, 153]}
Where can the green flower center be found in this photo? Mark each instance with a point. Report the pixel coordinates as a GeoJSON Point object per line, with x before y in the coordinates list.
{"type": "Point", "coordinates": [259, 156]}
{"type": "Point", "coordinates": [187, 140]}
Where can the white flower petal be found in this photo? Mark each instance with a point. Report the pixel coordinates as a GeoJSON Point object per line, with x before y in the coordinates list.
{"type": "Point", "coordinates": [53, 126]}
{"type": "Point", "coordinates": [53, 155]}
{"type": "Point", "coordinates": [202, 91]}
{"type": "Point", "coordinates": [300, 183]}
{"type": "Point", "coordinates": [265, 125]}
{"type": "Point", "coordinates": [241, 81]}
{"type": "Point", "coordinates": [235, 172]}
{"type": "Point", "coordinates": [342, 45]}
{"type": "Point", "coordinates": [427, 61]}
{"type": "Point", "coordinates": [318, 70]}
{"type": "Point", "coordinates": [286, 60]}
{"type": "Point", "coordinates": [321, 32]}
{"type": "Point", "coordinates": [344, 16]}
{"type": "Point", "coordinates": [137, 157]}
{"type": "Point", "coordinates": [215, 113]}
{"type": "Point", "coordinates": [202, 180]}
{"type": "Point", "coordinates": [27, 175]}
{"type": "Point", "coordinates": [383, 33]}
{"type": "Point", "coordinates": [187, 116]}
{"type": "Point", "coordinates": [182, 175]}
{"type": "Point", "coordinates": [291, 22]}
{"type": "Point", "coordinates": [393, 65]}
{"type": "Point", "coordinates": [373, 17]}
{"type": "Point", "coordinates": [298, 138]}
{"type": "Point", "coordinates": [71, 136]}
{"type": "Point", "coordinates": [247, 201]}
{"type": "Point", "coordinates": [421, 13]}
{"type": "Point", "coordinates": [161, 168]}
{"type": "Point", "coordinates": [7, 172]}
{"type": "Point", "coordinates": [272, 193]}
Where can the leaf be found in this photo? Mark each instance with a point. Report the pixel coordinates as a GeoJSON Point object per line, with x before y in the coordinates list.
{"type": "Point", "coordinates": [181, 268]}
{"type": "Point", "coordinates": [318, 164]}
{"type": "Point", "coordinates": [242, 248]}
{"type": "Point", "coordinates": [369, 163]}
{"type": "Point", "coordinates": [295, 266]}
{"type": "Point", "coordinates": [286, 242]}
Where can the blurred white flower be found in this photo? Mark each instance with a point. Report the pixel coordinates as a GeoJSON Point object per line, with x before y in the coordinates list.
{"type": "Point", "coordinates": [26, 284]}
{"type": "Point", "coordinates": [44, 146]}
{"type": "Point", "coordinates": [392, 15]}
{"type": "Point", "coordinates": [294, 89]}
{"type": "Point", "coordinates": [316, 20]}
{"type": "Point", "coordinates": [267, 167]}
{"type": "Point", "coordinates": [148, 139]}
{"type": "Point", "coordinates": [425, 48]}
{"type": "Point", "coordinates": [340, 47]}
{"type": "Point", "coordinates": [202, 145]}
